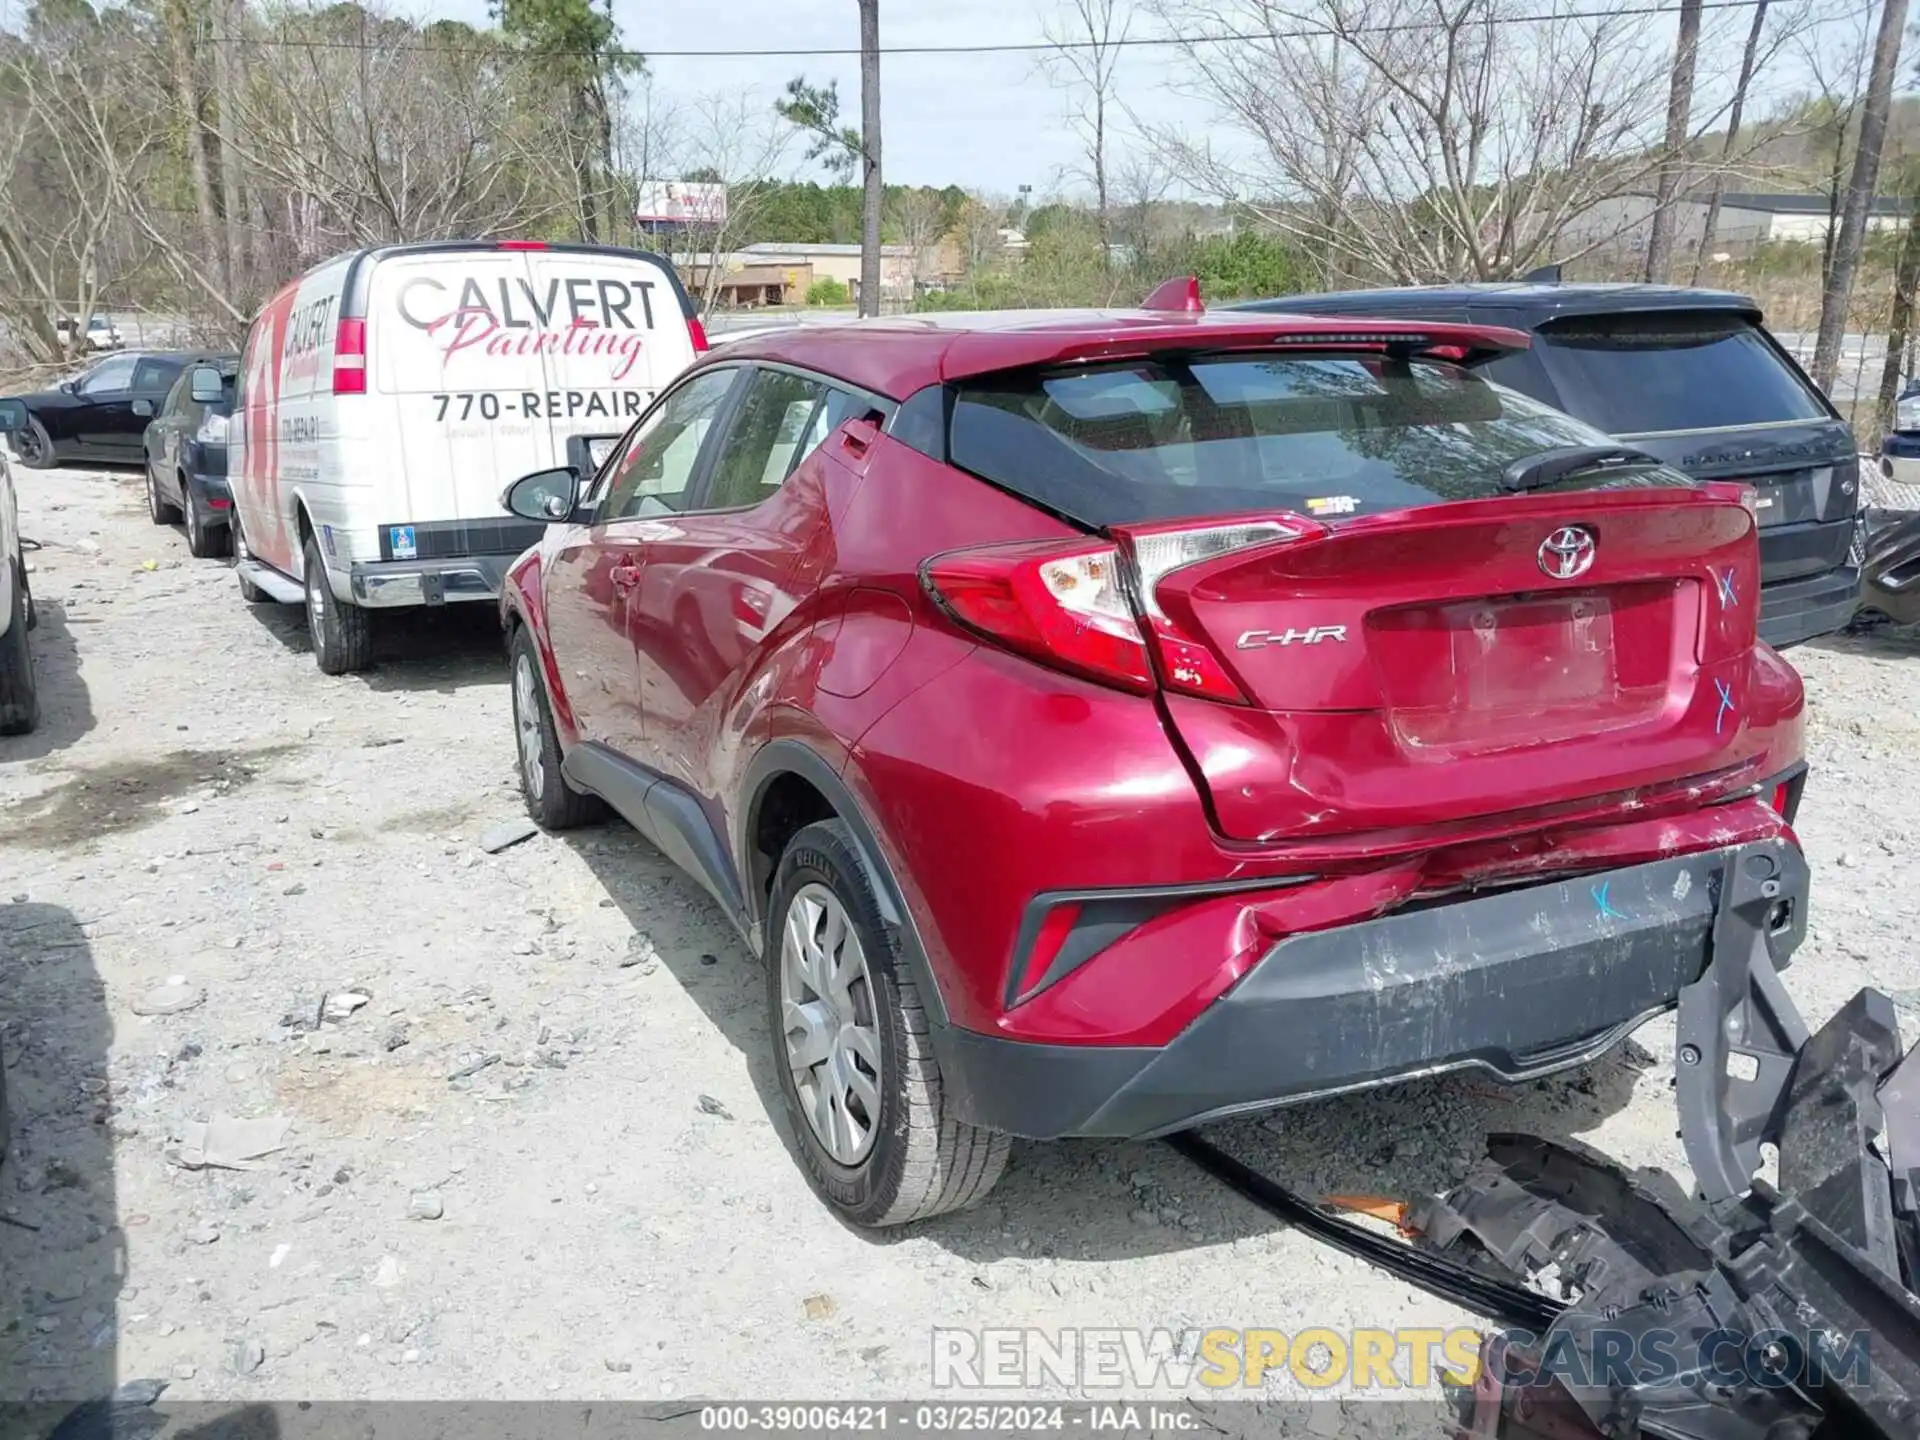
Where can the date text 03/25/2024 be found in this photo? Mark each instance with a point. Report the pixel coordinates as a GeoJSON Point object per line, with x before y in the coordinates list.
{"type": "Point", "coordinates": [470, 405]}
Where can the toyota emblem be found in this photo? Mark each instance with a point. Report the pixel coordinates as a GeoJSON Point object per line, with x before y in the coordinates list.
{"type": "Point", "coordinates": [1567, 553]}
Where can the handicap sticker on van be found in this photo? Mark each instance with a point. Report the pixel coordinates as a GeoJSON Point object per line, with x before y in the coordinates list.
{"type": "Point", "coordinates": [400, 542]}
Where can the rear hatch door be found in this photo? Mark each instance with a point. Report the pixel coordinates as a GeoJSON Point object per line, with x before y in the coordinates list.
{"type": "Point", "coordinates": [1432, 665]}
{"type": "Point", "coordinates": [1421, 644]}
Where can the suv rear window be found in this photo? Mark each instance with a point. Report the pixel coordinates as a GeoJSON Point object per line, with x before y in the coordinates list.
{"type": "Point", "coordinates": [1319, 435]}
{"type": "Point", "coordinates": [1645, 374]}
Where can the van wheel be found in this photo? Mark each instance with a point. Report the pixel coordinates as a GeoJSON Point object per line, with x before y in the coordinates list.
{"type": "Point", "coordinates": [552, 803]}
{"type": "Point", "coordinates": [159, 509]}
{"type": "Point", "coordinates": [342, 636]}
{"type": "Point", "coordinates": [19, 700]}
{"type": "Point", "coordinates": [851, 1048]}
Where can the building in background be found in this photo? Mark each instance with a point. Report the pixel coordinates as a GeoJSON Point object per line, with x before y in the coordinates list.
{"type": "Point", "coordinates": [1620, 225]}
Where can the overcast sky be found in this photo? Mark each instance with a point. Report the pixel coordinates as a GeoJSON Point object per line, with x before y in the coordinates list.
{"type": "Point", "coordinates": [982, 121]}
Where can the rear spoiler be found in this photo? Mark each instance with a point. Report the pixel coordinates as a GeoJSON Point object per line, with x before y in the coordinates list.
{"type": "Point", "coordinates": [1441, 340]}
{"type": "Point", "coordinates": [1168, 325]}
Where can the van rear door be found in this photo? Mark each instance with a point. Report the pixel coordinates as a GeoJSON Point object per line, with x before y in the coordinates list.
{"type": "Point", "coordinates": [624, 337]}
{"type": "Point", "coordinates": [490, 358]}
{"type": "Point", "coordinates": [452, 356]}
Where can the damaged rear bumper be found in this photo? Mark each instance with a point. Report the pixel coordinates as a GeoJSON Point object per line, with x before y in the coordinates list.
{"type": "Point", "coordinates": [1516, 983]}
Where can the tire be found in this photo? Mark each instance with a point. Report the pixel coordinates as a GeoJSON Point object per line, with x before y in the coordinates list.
{"type": "Point", "coordinates": [159, 509]}
{"type": "Point", "coordinates": [19, 699]}
{"type": "Point", "coordinates": [249, 592]}
{"type": "Point", "coordinates": [552, 803]}
{"type": "Point", "coordinates": [33, 447]}
{"type": "Point", "coordinates": [205, 540]}
{"type": "Point", "coordinates": [916, 1162]}
{"type": "Point", "coordinates": [342, 635]}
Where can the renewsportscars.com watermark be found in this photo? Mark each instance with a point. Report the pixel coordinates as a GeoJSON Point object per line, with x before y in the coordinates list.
{"type": "Point", "coordinates": [1372, 1360]}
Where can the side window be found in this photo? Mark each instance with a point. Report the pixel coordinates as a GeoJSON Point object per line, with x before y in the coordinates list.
{"type": "Point", "coordinates": [179, 399]}
{"type": "Point", "coordinates": [154, 377]}
{"type": "Point", "coordinates": [763, 443]}
{"type": "Point", "coordinates": [840, 408]}
{"type": "Point", "coordinates": [652, 476]}
{"type": "Point", "coordinates": [109, 377]}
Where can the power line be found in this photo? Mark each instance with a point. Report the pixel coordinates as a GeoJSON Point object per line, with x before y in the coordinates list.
{"type": "Point", "coordinates": [1025, 47]}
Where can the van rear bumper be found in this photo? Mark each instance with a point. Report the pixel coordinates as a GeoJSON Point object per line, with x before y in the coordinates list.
{"type": "Point", "coordinates": [391, 583]}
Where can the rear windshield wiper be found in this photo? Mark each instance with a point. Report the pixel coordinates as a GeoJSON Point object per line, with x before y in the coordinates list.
{"type": "Point", "coordinates": [1536, 472]}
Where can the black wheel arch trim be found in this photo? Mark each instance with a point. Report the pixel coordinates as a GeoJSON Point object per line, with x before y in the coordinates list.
{"type": "Point", "coordinates": [788, 756]}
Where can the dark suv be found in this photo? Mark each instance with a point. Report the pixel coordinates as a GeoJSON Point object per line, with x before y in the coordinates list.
{"type": "Point", "coordinates": [1689, 376]}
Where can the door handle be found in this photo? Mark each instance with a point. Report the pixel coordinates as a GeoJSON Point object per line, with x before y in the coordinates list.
{"type": "Point", "coordinates": [624, 575]}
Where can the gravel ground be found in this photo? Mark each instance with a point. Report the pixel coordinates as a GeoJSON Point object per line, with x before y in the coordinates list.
{"type": "Point", "coordinates": [558, 1051]}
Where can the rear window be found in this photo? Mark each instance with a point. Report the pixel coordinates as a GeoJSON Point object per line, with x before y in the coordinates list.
{"type": "Point", "coordinates": [1645, 374]}
{"type": "Point", "coordinates": [1319, 435]}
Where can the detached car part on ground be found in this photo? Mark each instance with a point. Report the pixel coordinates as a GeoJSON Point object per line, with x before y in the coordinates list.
{"type": "Point", "coordinates": [1751, 1310]}
{"type": "Point", "coordinates": [1106, 723]}
{"type": "Point", "coordinates": [1890, 534]}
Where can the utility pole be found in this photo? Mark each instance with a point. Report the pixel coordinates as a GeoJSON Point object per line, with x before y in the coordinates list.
{"type": "Point", "coordinates": [875, 195]}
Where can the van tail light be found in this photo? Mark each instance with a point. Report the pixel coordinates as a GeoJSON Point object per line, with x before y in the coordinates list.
{"type": "Point", "coordinates": [699, 334]}
{"type": "Point", "coordinates": [523, 244]}
{"type": "Point", "coordinates": [1778, 800]}
{"type": "Point", "coordinates": [1069, 604]}
{"type": "Point", "coordinates": [350, 358]}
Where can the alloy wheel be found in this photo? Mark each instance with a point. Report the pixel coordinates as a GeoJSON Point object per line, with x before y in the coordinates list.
{"type": "Point", "coordinates": [526, 724]}
{"type": "Point", "coordinates": [828, 1014]}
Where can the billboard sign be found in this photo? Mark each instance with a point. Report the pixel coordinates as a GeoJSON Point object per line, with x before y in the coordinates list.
{"type": "Point", "coordinates": [681, 202]}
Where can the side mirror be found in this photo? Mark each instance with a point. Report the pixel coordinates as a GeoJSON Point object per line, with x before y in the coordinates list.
{"type": "Point", "coordinates": [13, 416]}
{"type": "Point", "coordinates": [203, 385]}
{"type": "Point", "coordinates": [143, 408]}
{"type": "Point", "coordinates": [546, 495]}
{"type": "Point", "coordinates": [71, 387]}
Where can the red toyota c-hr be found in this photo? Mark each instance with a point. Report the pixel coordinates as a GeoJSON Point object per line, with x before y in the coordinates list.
{"type": "Point", "coordinates": [1106, 722]}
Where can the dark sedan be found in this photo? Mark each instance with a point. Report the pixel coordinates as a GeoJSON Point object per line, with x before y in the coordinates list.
{"type": "Point", "coordinates": [186, 455]}
{"type": "Point", "coordinates": [102, 413]}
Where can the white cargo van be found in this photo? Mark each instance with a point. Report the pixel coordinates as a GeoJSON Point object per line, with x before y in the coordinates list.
{"type": "Point", "coordinates": [388, 397]}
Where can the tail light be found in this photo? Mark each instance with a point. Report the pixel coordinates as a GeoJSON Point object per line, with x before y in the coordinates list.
{"type": "Point", "coordinates": [523, 244]}
{"type": "Point", "coordinates": [1068, 605]}
{"type": "Point", "coordinates": [699, 334]}
{"type": "Point", "coordinates": [350, 358]}
{"type": "Point", "coordinates": [1187, 661]}
{"type": "Point", "coordinates": [1060, 605]}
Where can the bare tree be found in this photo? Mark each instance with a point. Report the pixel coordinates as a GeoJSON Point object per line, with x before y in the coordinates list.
{"type": "Point", "coordinates": [1906, 279]}
{"type": "Point", "coordinates": [730, 139]}
{"type": "Point", "coordinates": [916, 216]}
{"type": "Point", "coordinates": [1749, 59]}
{"type": "Point", "coordinates": [1850, 239]}
{"type": "Point", "coordinates": [1686, 53]}
{"type": "Point", "coordinates": [1419, 140]}
{"type": "Point", "coordinates": [1088, 37]}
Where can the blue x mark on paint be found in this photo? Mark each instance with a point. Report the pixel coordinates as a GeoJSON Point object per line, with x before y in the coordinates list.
{"type": "Point", "coordinates": [1607, 912]}
{"type": "Point", "coordinates": [1726, 704]}
{"type": "Point", "coordinates": [1728, 595]}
